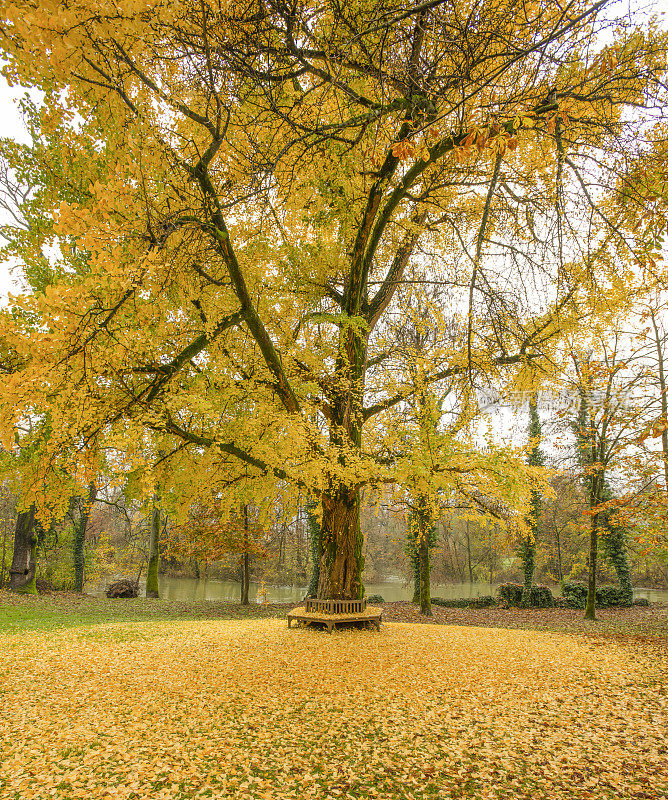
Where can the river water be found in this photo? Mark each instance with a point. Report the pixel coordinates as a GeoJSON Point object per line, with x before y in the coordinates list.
{"type": "Point", "coordinates": [390, 590]}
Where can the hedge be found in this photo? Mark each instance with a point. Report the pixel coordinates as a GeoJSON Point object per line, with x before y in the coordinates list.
{"type": "Point", "coordinates": [459, 602]}
{"type": "Point", "coordinates": [486, 601]}
{"type": "Point", "coordinates": [539, 596]}
{"type": "Point", "coordinates": [575, 595]}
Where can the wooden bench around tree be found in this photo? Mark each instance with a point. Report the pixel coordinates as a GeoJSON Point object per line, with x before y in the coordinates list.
{"type": "Point", "coordinates": [330, 613]}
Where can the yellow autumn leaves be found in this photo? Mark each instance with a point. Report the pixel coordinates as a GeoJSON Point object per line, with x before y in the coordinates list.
{"type": "Point", "coordinates": [254, 710]}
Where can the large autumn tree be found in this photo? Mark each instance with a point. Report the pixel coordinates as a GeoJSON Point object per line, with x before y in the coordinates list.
{"type": "Point", "coordinates": [260, 177]}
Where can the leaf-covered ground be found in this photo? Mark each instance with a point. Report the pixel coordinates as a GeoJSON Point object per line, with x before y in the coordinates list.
{"type": "Point", "coordinates": [250, 709]}
{"type": "Point", "coordinates": [69, 609]}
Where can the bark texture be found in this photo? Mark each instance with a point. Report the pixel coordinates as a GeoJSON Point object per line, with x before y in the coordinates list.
{"type": "Point", "coordinates": [425, 565]}
{"type": "Point", "coordinates": [23, 571]}
{"type": "Point", "coordinates": [80, 527]}
{"type": "Point", "coordinates": [245, 561]}
{"type": "Point", "coordinates": [341, 562]}
{"type": "Point", "coordinates": [152, 589]}
{"type": "Point", "coordinates": [315, 546]}
{"type": "Point", "coordinates": [421, 539]}
{"type": "Point", "coordinates": [590, 607]}
{"type": "Point", "coordinates": [527, 550]}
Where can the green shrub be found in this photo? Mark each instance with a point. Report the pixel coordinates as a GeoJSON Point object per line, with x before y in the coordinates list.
{"type": "Point", "coordinates": [541, 597]}
{"type": "Point", "coordinates": [377, 598]}
{"type": "Point", "coordinates": [486, 601]}
{"type": "Point", "coordinates": [614, 596]}
{"type": "Point", "coordinates": [510, 593]}
{"type": "Point", "coordinates": [641, 601]}
{"type": "Point", "coordinates": [575, 595]}
{"type": "Point", "coordinates": [459, 602]}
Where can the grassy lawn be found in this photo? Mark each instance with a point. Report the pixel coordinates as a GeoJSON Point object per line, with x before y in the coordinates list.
{"type": "Point", "coordinates": [69, 610]}
{"type": "Point", "coordinates": [134, 699]}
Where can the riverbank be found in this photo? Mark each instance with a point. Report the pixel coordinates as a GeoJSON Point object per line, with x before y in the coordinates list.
{"type": "Point", "coordinates": [68, 610]}
{"type": "Point", "coordinates": [391, 590]}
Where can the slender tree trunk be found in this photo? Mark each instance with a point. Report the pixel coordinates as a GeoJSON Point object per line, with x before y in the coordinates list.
{"type": "Point", "coordinates": [534, 521]}
{"type": "Point", "coordinates": [468, 551]}
{"type": "Point", "coordinates": [594, 502]}
{"type": "Point", "coordinates": [423, 552]}
{"type": "Point", "coordinates": [491, 556]}
{"type": "Point", "coordinates": [23, 570]}
{"type": "Point", "coordinates": [664, 396]}
{"type": "Point", "coordinates": [80, 538]}
{"type": "Point", "coordinates": [528, 554]}
{"type": "Point", "coordinates": [245, 562]}
{"type": "Point", "coordinates": [152, 589]}
{"type": "Point", "coordinates": [590, 608]}
{"type": "Point", "coordinates": [245, 579]}
{"type": "Point", "coordinates": [413, 551]}
{"type": "Point", "coordinates": [559, 565]}
{"type": "Point", "coordinates": [315, 547]}
{"type": "Point", "coordinates": [341, 561]}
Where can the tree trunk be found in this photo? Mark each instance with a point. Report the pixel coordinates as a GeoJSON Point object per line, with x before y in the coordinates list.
{"type": "Point", "coordinates": [468, 551]}
{"type": "Point", "coordinates": [423, 552]}
{"type": "Point", "coordinates": [594, 501]}
{"type": "Point", "coordinates": [245, 579]}
{"type": "Point", "coordinates": [559, 565]}
{"type": "Point", "coordinates": [245, 562]}
{"type": "Point", "coordinates": [528, 547]}
{"type": "Point", "coordinates": [80, 538]}
{"type": "Point", "coordinates": [664, 395]}
{"type": "Point", "coordinates": [528, 556]}
{"type": "Point", "coordinates": [590, 608]}
{"type": "Point", "coordinates": [152, 589]}
{"type": "Point", "coordinates": [341, 561]}
{"type": "Point", "coordinates": [23, 570]}
{"type": "Point", "coordinates": [315, 547]}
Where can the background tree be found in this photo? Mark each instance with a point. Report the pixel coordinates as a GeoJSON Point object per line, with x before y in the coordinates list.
{"type": "Point", "coordinates": [527, 549]}
{"type": "Point", "coordinates": [79, 513]}
{"type": "Point", "coordinates": [152, 587]}
{"type": "Point", "coordinates": [606, 426]}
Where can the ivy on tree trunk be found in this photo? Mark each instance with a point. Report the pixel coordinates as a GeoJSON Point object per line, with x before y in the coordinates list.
{"type": "Point", "coordinates": [421, 540]}
{"type": "Point", "coordinates": [315, 546]}
{"type": "Point", "coordinates": [527, 549]}
{"type": "Point", "coordinates": [152, 589]}
{"type": "Point", "coordinates": [80, 526]}
{"type": "Point", "coordinates": [245, 561]}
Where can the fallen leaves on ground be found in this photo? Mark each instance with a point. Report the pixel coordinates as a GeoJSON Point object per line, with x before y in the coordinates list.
{"type": "Point", "coordinates": [249, 709]}
{"type": "Point", "coordinates": [632, 624]}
